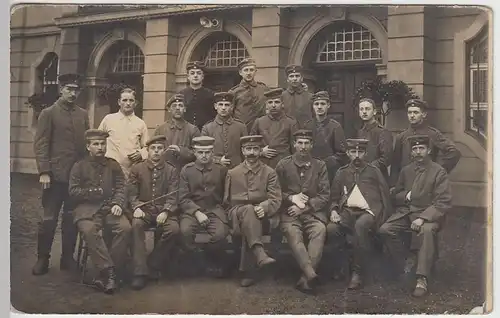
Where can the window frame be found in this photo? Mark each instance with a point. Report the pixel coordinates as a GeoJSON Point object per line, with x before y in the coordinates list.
{"type": "Point", "coordinates": [213, 48]}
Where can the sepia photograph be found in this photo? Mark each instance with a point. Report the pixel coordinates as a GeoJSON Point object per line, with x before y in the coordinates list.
{"type": "Point", "coordinates": [251, 159]}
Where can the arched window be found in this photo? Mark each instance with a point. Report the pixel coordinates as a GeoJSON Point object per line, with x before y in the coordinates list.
{"type": "Point", "coordinates": [48, 73]}
{"type": "Point", "coordinates": [226, 52]}
{"type": "Point", "coordinates": [129, 60]}
{"type": "Point", "coordinates": [477, 87]}
{"type": "Point", "coordinates": [348, 42]}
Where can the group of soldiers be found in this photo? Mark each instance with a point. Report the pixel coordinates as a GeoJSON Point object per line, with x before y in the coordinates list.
{"type": "Point", "coordinates": [243, 163]}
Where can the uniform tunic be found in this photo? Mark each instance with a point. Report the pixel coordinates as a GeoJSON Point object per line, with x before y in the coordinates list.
{"type": "Point", "coordinates": [227, 138]}
{"type": "Point", "coordinates": [380, 146]}
{"type": "Point", "coordinates": [298, 104]}
{"type": "Point", "coordinates": [278, 135]}
{"type": "Point", "coordinates": [181, 134]}
{"type": "Point", "coordinates": [199, 105]}
{"type": "Point", "coordinates": [249, 101]}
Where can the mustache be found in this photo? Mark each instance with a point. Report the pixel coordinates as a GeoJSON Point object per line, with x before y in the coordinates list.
{"type": "Point", "coordinates": [251, 156]}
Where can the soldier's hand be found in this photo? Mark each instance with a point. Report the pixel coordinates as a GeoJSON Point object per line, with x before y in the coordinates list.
{"type": "Point", "coordinates": [202, 218]}
{"type": "Point", "coordinates": [174, 148]}
{"type": "Point", "coordinates": [225, 161]}
{"type": "Point", "coordinates": [161, 218]}
{"type": "Point", "coordinates": [269, 153]}
{"type": "Point", "coordinates": [134, 157]}
{"type": "Point", "coordinates": [391, 190]}
{"type": "Point", "coordinates": [138, 213]}
{"type": "Point", "coordinates": [116, 210]}
{"type": "Point", "coordinates": [294, 211]}
{"type": "Point", "coordinates": [334, 217]}
{"type": "Point", "coordinates": [417, 224]}
{"type": "Point", "coordinates": [45, 180]}
{"type": "Point", "coordinates": [259, 211]}
{"type": "Point", "coordinates": [300, 200]}
{"type": "Point", "coordinates": [408, 196]}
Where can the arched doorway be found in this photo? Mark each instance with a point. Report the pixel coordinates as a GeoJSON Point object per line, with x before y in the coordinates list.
{"type": "Point", "coordinates": [342, 56]}
{"type": "Point", "coordinates": [221, 52]}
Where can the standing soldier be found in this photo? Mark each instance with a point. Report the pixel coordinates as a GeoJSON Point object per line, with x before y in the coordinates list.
{"type": "Point", "coordinates": [329, 137]}
{"type": "Point", "coordinates": [296, 98]}
{"type": "Point", "coordinates": [423, 197]}
{"type": "Point", "coordinates": [154, 182]}
{"type": "Point", "coordinates": [201, 191]}
{"type": "Point", "coordinates": [226, 130]}
{"type": "Point", "coordinates": [360, 204]}
{"type": "Point", "coordinates": [179, 133]}
{"type": "Point", "coordinates": [379, 148]}
{"type": "Point", "coordinates": [443, 150]}
{"type": "Point", "coordinates": [253, 195]}
{"type": "Point", "coordinates": [199, 100]}
{"type": "Point", "coordinates": [97, 186]}
{"type": "Point", "coordinates": [249, 100]}
{"type": "Point", "coordinates": [127, 133]}
{"type": "Point", "coordinates": [306, 197]}
{"type": "Point", "coordinates": [277, 129]}
{"type": "Point", "coordinates": [59, 143]}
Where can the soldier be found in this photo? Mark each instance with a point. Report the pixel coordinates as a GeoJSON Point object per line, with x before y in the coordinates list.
{"type": "Point", "coordinates": [201, 191]}
{"type": "Point", "coordinates": [306, 197]}
{"type": "Point", "coordinates": [296, 98]}
{"type": "Point", "coordinates": [227, 132]}
{"type": "Point", "coordinates": [199, 100]}
{"type": "Point", "coordinates": [443, 150]}
{"type": "Point", "coordinates": [277, 129]}
{"type": "Point", "coordinates": [153, 198]}
{"type": "Point", "coordinates": [360, 204]}
{"type": "Point", "coordinates": [179, 133]}
{"type": "Point", "coordinates": [127, 133]}
{"type": "Point", "coordinates": [379, 148]}
{"type": "Point", "coordinates": [59, 143]}
{"type": "Point", "coordinates": [422, 197]}
{"type": "Point", "coordinates": [249, 100]}
{"type": "Point", "coordinates": [329, 137]}
{"type": "Point", "coordinates": [253, 195]}
{"type": "Point", "coordinates": [97, 186]}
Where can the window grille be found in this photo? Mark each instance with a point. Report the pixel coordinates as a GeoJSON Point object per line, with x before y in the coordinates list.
{"type": "Point", "coordinates": [50, 71]}
{"type": "Point", "coordinates": [351, 42]}
{"type": "Point", "coordinates": [129, 60]}
{"type": "Point", "coordinates": [226, 52]}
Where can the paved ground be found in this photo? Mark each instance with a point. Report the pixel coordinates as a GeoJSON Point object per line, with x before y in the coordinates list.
{"type": "Point", "coordinates": [457, 288]}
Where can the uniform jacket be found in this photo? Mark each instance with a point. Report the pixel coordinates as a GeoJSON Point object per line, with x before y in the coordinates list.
{"type": "Point", "coordinates": [444, 151]}
{"type": "Point", "coordinates": [148, 182]}
{"type": "Point", "coordinates": [298, 104]}
{"type": "Point", "coordinates": [95, 185]}
{"type": "Point", "coordinates": [309, 177]}
{"type": "Point", "coordinates": [201, 188]}
{"type": "Point", "coordinates": [59, 140]}
{"type": "Point", "coordinates": [278, 135]}
{"type": "Point", "coordinates": [249, 101]}
{"type": "Point", "coordinates": [199, 105]}
{"type": "Point", "coordinates": [380, 145]}
{"type": "Point", "coordinates": [329, 140]}
{"type": "Point", "coordinates": [227, 138]}
{"type": "Point", "coordinates": [180, 134]}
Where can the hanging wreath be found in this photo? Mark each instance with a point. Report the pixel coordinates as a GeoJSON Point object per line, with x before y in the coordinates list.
{"type": "Point", "coordinates": [40, 101]}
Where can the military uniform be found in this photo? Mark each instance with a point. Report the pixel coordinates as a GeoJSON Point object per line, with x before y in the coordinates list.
{"type": "Point", "coordinates": [310, 177]}
{"type": "Point", "coordinates": [201, 189]}
{"type": "Point", "coordinates": [97, 184]}
{"type": "Point", "coordinates": [297, 100]}
{"type": "Point", "coordinates": [149, 181]}
{"type": "Point", "coordinates": [360, 196]}
{"type": "Point", "coordinates": [443, 150]}
{"type": "Point", "coordinates": [249, 100]}
{"type": "Point", "coordinates": [380, 146]}
{"type": "Point", "coordinates": [227, 133]}
{"type": "Point", "coordinates": [59, 143]}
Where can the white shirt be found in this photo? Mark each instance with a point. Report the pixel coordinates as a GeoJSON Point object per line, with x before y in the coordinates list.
{"type": "Point", "coordinates": [127, 134]}
{"type": "Point", "coordinates": [357, 200]}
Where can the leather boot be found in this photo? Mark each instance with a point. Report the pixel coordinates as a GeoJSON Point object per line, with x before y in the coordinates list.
{"type": "Point", "coordinates": [262, 258]}
{"type": "Point", "coordinates": [111, 283]}
{"type": "Point", "coordinates": [138, 282]}
{"type": "Point", "coordinates": [41, 266]}
{"type": "Point", "coordinates": [421, 287]}
{"type": "Point", "coordinates": [356, 281]}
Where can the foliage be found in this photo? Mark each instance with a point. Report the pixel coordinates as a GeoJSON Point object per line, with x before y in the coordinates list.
{"type": "Point", "coordinates": [40, 101]}
{"type": "Point", "coordinates": [111, 92]}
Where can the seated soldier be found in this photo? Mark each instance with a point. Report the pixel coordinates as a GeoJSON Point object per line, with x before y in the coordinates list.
{"type": "Point", "coordinates": [360, 204]}
{"type": "Point", "coordinates": [252, 195]}
{"type": "Point", "coordinates": [306, 196]}
{"type": "Point", "coordinates": [153, 191]}
{"type": "Point", "coordinates": [97, 187]}
{"type": "Point", "coordinates": [201, 190]}
{"type": "Point", "coordinates": [422, 197]}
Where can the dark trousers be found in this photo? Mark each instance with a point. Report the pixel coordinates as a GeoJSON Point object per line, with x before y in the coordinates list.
{"type": "Point", "coordinates": [168, 238]}
{"type": "Point", "coordinates": [53, 199]}
{"type": "Point", "coordinates": [92, 231]}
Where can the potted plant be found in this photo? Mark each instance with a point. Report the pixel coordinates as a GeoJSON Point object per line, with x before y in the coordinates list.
{"type": "Point", "coordinates": [40, 101]}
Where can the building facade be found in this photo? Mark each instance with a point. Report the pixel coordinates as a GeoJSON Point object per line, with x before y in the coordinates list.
{"type": "Point", "coordinates": [443, 53]}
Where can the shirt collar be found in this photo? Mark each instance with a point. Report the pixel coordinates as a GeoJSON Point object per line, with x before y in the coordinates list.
{"type": "Point", "coordinates": [354, 168]}
{"type": "Point", "coordinates": [322, 122]}
{"type": "Point", "coordinates": [101, 161]}
{"type": "Point", "coordinates": [295, 90]}
{"type": "Point", "coordinates": [244, 83]}
{"type": "Point", "coordinates": [255, 169]}
{"type": "Point", "coordinates": [301, 162]}
{"type": "Point", "coordinates": [151, 164]}
{"type": "Point", "coordinates": [65, 105]}
{"type": "Point", "coordinates": [123, 116]}
{"type": "Point", "coordinates": [201, 167]}
{"type": "Point", "coordinates": [220, 121]}
{"type": "Point", "coordinates": [279, 117]}
{"type": "Point", "coordinates": [177, 124]}
{"type": "Point", "coordinates": [370, 126]}
{"type": "Point", "coordinates": [421, 167]}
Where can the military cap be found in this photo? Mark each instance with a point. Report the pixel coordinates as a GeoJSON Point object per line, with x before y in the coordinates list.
{"type": "Point", "coordinates": [417, 103]}
{"type": "Point", "coordinates": [419, 140]}
{"type": "Point", "coordinates": [175, 98]}
{"type": "Point", "coordinates": [70, 79]}
{"type": "Point", "coordinates": [158, 139]}
{"type": "Point", "coordinates": [223, 97]}
{"type": "Point", "coordinates": [289, 69]}
{"type": "Point", "coordinates": [95, 134]}
{"type": "Point", "coordinates": [321, 95]}
{"type": "Point", "coordinates": [357, 144]}
{"type": "Point", "coordinates": [303, 133]}
{"type": "Point", "coordinates": [203, 142]}
{"type": "Point", "coordinates": [246, 62]}
{"type": "Point", "coordinates": [273, 93]}
{"type": "Point", "coordinates": [251, 140]}
{"type": "Point", "coordinates": [195, 65]}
